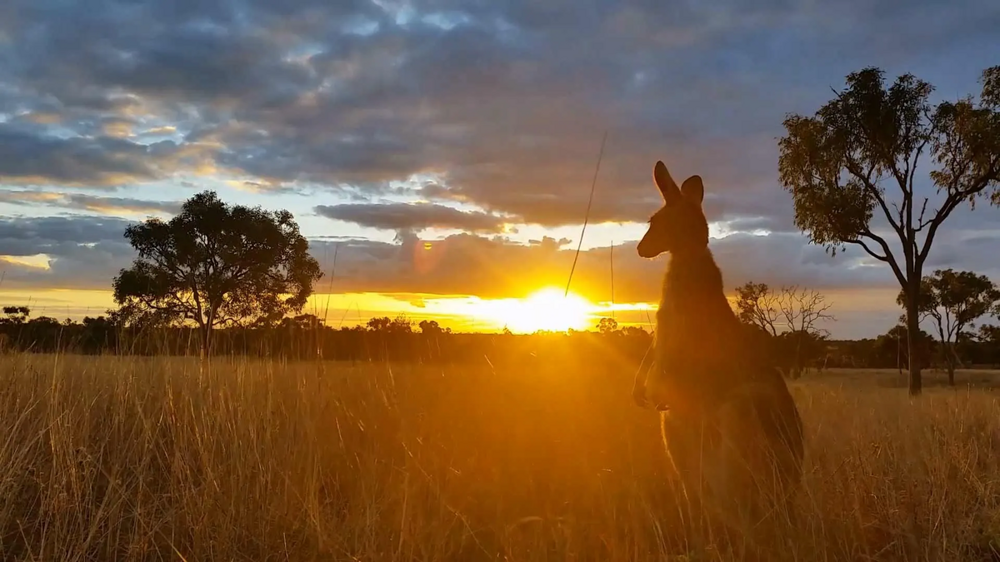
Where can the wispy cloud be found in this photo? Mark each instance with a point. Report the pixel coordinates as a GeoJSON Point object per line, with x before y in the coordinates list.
{"type": "Point", "coordinates": [92, 203]}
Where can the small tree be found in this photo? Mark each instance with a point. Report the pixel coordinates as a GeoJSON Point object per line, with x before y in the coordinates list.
{"type": "Point", "coordinates": [989, 338]}
{"type": "Point", "coordinates": [430, 327]}
{"type": "Point", "coordinates": [401, 324]}
{"type": "Point", "coordinates": [989, 334]}
{"type": "Point", "coordinates": [802, 309]}
{"type": "Point", "coordinates": [217, 265]}
{"type": "Point", "coordinates": [756, 305]}
{"type": "Point", "coordinates": [954, 300]}
{"type": "Point", "coordinates": [837, 165]}
{"type": "Point", "coordinates": [607, 326]}
{"type": "Point", "coordinates": [15, 315]}
{"type": "Point", "coordinates": [892, 349]}
{"type": "Point", "coordinates": [398, 325]}
{"type": "Point", "coordinates": [791, 317]}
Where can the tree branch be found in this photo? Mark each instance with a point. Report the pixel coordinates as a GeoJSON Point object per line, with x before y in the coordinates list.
{"type": "Point", "coordinates": [870, 252]}
{"type": "Point", "coordinates": [950, 204]}
{"type": "Point", "coordinates": [887, 257]}
{"type": "Point", "coordinates": [855, 170]}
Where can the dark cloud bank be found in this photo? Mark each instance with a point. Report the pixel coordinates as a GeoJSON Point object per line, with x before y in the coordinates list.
{"type": "Point", "coordinates": [499, 106]}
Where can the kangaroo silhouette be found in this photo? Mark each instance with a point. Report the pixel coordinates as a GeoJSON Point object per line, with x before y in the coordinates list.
{"type": "Point", "coordinates": [729, 424]}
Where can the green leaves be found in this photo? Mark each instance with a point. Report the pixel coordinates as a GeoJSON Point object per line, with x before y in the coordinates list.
{"type": "Point", "coordinates": [991, 87]}
{"type": "Point", "coordinates": [859, 153]}
{"type": "Point", "coordinates": [955, 299]}
{"type": "Point", "coordinates": [830, 210]}
{"type": "Point", "coordinates": [966, 148]}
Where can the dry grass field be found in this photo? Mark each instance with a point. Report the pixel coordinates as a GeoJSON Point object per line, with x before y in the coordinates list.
{"type": "Point", "coordinates": [158, 459]}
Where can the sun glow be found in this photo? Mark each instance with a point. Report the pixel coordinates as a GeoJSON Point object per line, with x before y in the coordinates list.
{"type": "Point", "coordinates": [546, 309]}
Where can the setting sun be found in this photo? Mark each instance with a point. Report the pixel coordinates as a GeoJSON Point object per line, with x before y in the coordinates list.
{"type": "Point", "coordinates": [546, 309]}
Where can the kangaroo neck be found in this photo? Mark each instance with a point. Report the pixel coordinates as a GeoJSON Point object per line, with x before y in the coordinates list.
{"type": "Point", "coordinates": [692, 275]}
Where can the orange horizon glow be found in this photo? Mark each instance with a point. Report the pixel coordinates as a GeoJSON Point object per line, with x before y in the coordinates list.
{"type": "Point", "coordinates": [545, 309]}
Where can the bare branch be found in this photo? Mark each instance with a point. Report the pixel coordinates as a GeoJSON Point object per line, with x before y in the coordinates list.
{"type": "Point", "coordinates": [950, 204]}
{"type": "Point", "coordinates": [889, 258]}
{"type": "Point", "coordinates": [920, 222]}
{"type": "Point", "coordinates": [803, 308]}
{"type": "Point", "coordinates": [872, 253]}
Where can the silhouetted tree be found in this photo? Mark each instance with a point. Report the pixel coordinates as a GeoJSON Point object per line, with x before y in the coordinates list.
{"type": "Point", "coordinates": [837, 164]}
{"type": "Point", "coordinates": [756, 305]}
{"type": "Point", "coordinates": [790, 316]}
{"type": "Point", "coordinates": [302, 322]}
{"type": "Point", "coordinates": [15, 315]}
{"type": "Point", "coordinates": [893, 350]}
{"type": "Point", "coordinates": [217, 265]}
{"type": "Point", "coordinates": [635, 332]}
{"type": "Point", "coordinates": [607, 326]}
{"type": "Point", "coordinates": [954, 300]}
{"type": "Point", "coordinates": [430, 327]}
{"type": "Point", "coordinates": [988, 340]}
{"type": "Point", "coordinates": [401, 325]}
{"type": "Point", "coordinates": [989, 333]}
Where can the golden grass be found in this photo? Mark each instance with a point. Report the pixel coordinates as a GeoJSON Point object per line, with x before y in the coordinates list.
{"type": "Point", "coordinates": [155, 459]}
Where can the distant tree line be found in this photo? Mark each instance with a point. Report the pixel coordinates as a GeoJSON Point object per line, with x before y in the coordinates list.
{"type": "Point", "coordinates": [306, 337]}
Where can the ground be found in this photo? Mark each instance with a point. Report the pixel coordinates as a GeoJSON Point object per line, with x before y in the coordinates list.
{"type": "Point", "coordinates": [159, 458]}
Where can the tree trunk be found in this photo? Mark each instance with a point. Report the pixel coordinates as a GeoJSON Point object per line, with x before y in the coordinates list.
{"type": "Point", "coordinates": [799, 367]}
{"type": "Point", "coordinates": [206, 340]}
{"type": "Point", "coordinates": [950, 361]}
{"type": "Point", "coordinates": [899, 356]}
{"type": "Point", "coordinates": [913, 338]}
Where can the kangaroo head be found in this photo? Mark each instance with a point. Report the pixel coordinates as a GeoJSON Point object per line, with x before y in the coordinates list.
{"type": "Point", "coordinates": [680, 224]}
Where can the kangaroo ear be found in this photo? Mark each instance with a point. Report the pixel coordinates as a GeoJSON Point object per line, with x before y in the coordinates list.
{"type": "Point", "coordinates": [693, 190]}
{"type": "Point", "coordinates": [665, 183]}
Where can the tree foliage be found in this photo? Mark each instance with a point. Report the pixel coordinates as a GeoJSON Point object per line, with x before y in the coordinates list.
{"type": "Point", "coordinates": [840, 163]}
{"type": "Point", "coordinates": [216, 265]}
{"type": "Point", "coordinates": [954, 301]}
{"type": "Point", "coordinates": [607, 326]}
{"type": "Point", "coordinates": [15, 315]}
{"type": "Point", "coordinates": [757, 305]}
{"type": "Point", "coordinates": [398, 325]}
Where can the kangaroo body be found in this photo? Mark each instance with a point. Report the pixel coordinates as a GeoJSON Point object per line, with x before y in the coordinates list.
{"type": "Point", "coordinates": [729, 424]}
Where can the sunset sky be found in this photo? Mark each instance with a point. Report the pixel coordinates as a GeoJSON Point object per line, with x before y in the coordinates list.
{"type": "Point", "coordinates": [472, 124]}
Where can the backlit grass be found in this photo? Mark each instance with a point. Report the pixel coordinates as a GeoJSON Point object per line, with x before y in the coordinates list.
{"type": "Point", "coordinates": [159, 459]}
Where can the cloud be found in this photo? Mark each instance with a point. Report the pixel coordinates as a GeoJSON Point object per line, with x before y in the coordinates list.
{"type": "Point", "coordinates": [494, 106]}
{"type": "Point", "coordinates": [500, 100]}
{"type": "Point", "coordinates": [411, 216]}
{"type": "Point", "coordinates": [31, 155]}
{"type": "Point", "coordinates": [82, 252]}
{"type": "Point", "coordinates": [86, 252]}
{"type": "Point", "coordinates": [92, 203]}
{"type": "Point", "coordinates": [465, 264]}
{"type": "Point", "coordinates": [27, 158]}
{"type": "Point", "coordinates": [492, 267]}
